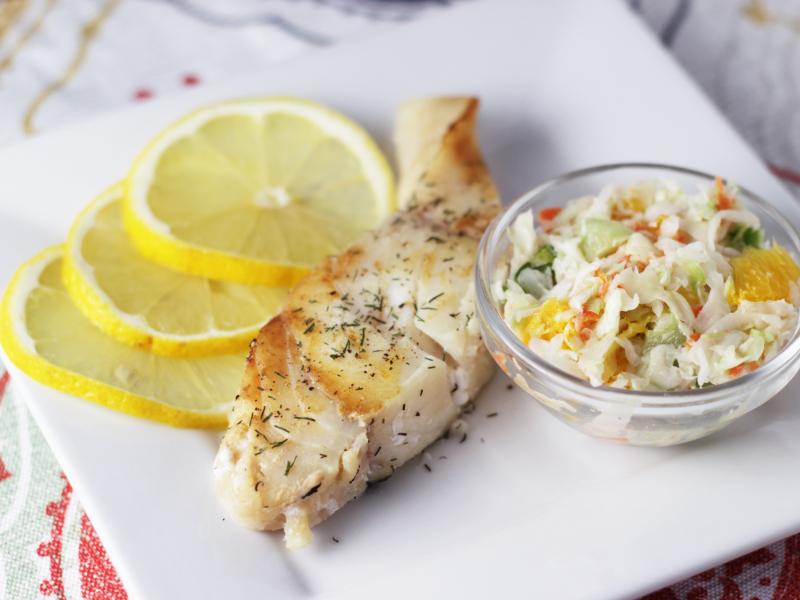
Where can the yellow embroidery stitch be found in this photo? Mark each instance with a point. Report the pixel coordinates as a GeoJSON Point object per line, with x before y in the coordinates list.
{"type": "Point", "coordinates": [25, 36]}
{"type": "Point", "coordinates": [88, 32]}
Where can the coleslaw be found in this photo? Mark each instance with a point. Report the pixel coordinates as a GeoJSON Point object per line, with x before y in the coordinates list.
{"type": "Point", "coordinates": [649, 287]}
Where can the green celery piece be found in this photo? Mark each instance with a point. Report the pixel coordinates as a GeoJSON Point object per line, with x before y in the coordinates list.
{"type": "Point", "coordinates": [600, 237]}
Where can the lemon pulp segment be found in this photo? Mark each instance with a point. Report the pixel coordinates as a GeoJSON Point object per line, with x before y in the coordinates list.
{"type": "Point", "coordinates": [144, 304]}
{"type": "Point", "coordinates": [49, 339]}
{"type": "Point", "coordinates": [256, 191]}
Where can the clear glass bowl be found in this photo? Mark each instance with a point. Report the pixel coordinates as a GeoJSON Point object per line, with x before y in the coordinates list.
{"type": "Point", "coordinates": [625, 416]}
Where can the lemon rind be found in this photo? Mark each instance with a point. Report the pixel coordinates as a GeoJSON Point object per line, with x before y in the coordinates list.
{"type": "Point", "coordinates": [72, 383]}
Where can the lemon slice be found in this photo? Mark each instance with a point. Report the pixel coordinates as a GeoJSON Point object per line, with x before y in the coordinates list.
{"type": "Point", "coordinates": [48, 338]}
{"type": "Point", "coordinates": [143, 304]}
{"type": "Point", "coordinates": [256, 191]}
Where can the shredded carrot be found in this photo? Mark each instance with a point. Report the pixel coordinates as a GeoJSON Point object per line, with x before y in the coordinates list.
{"type": "Point", "coordinates": [736, 371]}
{"type": "Point", "coordinates": [619, 214]}
{"type": "Point", "coordinates": [640, 265]}
{"type": "Point", "coordinates": [585, 320]}
{"type": "Point", "coordinates": [724, 201]}
{"type": "Point", "coordinates": [682, 237]}
{"type": "Point", "coordinates": [692, 339]}
{"type": "Point", "coordinates": [650, 230]}
{"type": "Point", "coordinates": [739, 369]}
{"type": "Point", "coordinates": [548, 214]}
{"type": "Point", "coordinates": [696, 309]}
{"type": "Point", "coordinates": [604, 283]}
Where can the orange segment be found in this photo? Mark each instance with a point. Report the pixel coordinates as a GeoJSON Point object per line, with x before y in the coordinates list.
{"type": "Point", "coordinates": [548, 320]}
{"type": "Point", "coordinates": [761, 274]}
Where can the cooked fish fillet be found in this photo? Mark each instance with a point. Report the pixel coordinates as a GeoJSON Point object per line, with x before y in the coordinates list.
{"type": "Point", "coordinates": [376, 351]}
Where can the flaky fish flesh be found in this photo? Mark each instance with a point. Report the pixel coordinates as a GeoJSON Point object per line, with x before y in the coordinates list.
{"type": "Point", "coordinates": [376, 351]}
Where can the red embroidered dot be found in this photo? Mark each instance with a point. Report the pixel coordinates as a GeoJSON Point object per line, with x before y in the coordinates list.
{"type": "Point", "coordinates": [4, 473]}
{"type": "Point", "coordinates": [3, 383]}
{"type": "Point", "coordinates": [765, 581]}
{"type": "Point", "coordinates": [190, 79]}
{"type": "Point", "coordinates": [142, 94]}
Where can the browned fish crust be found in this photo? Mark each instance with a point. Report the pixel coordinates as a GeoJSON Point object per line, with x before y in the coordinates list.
{"type": "Point", "coordinates": [376, 349]}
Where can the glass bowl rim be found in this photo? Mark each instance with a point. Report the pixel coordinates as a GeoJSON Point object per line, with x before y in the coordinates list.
{"type": "Point", "coordinates": [491, 318]}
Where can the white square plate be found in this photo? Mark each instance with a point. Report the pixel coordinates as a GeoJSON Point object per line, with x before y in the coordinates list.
{"type": "Point", "coordinates": [526, 507]}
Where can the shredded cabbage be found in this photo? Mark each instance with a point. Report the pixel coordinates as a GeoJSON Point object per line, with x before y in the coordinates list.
{"type": "Point", "coordinates": [655, 310]}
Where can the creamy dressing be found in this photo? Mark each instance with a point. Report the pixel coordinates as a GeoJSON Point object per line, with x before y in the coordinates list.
{"type": "Point", "coordinates": [636, 287]}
